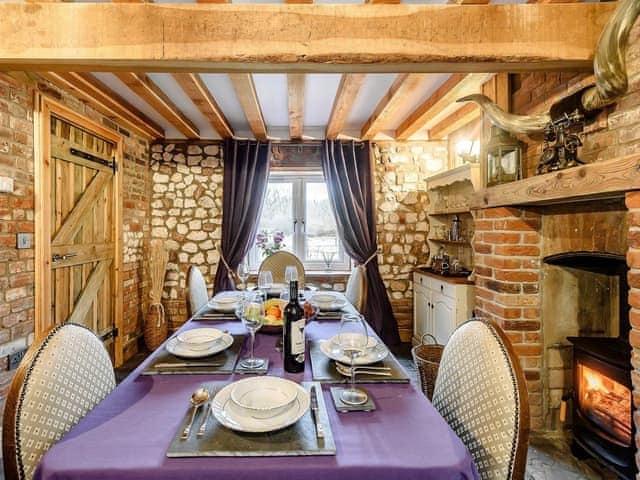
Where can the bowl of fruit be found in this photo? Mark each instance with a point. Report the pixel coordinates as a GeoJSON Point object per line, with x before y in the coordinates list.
{"type": "Point", "coordinates": [273, 315]}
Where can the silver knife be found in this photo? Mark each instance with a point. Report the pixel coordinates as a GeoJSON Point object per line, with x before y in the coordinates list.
{"type": "Point", "coordinates": [187, 365]}
{"type": "Point", "coordinates": [316, 415]}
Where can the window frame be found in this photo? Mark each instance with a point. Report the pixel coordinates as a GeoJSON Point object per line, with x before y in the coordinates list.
{"type": "Point", "coordinates": [299, 181]}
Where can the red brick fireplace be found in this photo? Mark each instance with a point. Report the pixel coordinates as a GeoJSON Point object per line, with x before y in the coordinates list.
{"type": "Point", "coordinates": [510, 244]}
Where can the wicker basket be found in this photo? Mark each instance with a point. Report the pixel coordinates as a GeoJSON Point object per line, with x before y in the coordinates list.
{"type": "Point", "coordinates": [427, 359]}
{"type": "Point", "coordinates": [155, 327]}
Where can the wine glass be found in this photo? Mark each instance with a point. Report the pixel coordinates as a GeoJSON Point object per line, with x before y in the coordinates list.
{"type": "Point", "coordinates": [243, 274]}
{"type": "Point", "coordinates": [251, 312]}
{"type": "Point", "coordinates": [352, 342]}
{"type": "Point", "coordinates": [290, 274]}
{"type": "Point", "coordinates": [265, 281]}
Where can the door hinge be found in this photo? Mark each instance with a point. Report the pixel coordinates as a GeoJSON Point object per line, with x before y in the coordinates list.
{"type": "Point", "coordinates": [112, 334]}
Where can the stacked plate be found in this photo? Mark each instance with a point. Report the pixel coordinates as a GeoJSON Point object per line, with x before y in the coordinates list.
{"type": "Point", "coordinates": [199, 343]}
{"type": "Point", "coordinates": [260, 404]}
{"type": "Point", "coordinates": [226, 302]}
{"type": "Point", "coordinates": [328, 302]}
{"type": "Point", "coordinates": [374, 352]}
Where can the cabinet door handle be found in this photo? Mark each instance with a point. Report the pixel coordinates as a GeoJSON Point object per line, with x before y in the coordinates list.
{"type": "Point", "coordinates": [432, 305]}
{"type": "Point", "coordinates": [442, 288]}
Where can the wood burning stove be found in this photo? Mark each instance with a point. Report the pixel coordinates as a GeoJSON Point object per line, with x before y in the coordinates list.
{"type": "Point", "coordinates": [602, 406]}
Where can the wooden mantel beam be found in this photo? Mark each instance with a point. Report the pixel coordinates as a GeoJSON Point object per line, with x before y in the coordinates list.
{"type": "Point", "coordinates": [300, 38]}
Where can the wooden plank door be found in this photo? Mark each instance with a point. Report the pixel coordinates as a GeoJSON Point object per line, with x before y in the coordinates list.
{"type": "Point", "coordinates": [80, 227]}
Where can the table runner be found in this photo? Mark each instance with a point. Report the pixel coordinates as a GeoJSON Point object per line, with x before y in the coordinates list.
{"type": "Point", "coordinates": [127, 435]}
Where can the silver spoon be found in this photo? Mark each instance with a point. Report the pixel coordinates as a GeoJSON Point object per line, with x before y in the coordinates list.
{"type": "Point", "coordinates": [198, 397]}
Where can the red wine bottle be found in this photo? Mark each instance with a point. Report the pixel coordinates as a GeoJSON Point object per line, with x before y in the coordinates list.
{"type": "Point", "coordinates": [293, 332]}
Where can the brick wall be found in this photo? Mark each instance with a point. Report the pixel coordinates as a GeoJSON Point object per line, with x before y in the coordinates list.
{"type": "Point", "coordinates": [17, 288]}
{"type": "Point", "coordinates": [508, 241]}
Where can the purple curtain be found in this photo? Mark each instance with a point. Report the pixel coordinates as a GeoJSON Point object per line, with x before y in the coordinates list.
{"type": "Point", "coordinates": [246, 171]}
{"type": "Point", "coordinates": [349, 176]}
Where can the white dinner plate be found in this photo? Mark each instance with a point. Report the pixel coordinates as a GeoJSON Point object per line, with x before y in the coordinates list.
{"type": "Point", "coordinates": [225, 303]}
{"type": "Point", "coordinates": [236, 418]}
{"type": "Point", "coordinates": [276, 289]}
{"type": "Point", "coordinates": [327, 302]}
{"type": "Point", "coordinates": [375, 352]}
{"type": "Point", "coordinates": [179, 349]}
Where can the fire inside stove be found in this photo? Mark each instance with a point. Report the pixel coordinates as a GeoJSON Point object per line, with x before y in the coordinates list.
{"type": "Point", "coordinates": [605, 402]}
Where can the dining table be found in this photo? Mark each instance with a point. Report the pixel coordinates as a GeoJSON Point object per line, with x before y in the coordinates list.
{"type": "Point", "coordinates": [126, 436]}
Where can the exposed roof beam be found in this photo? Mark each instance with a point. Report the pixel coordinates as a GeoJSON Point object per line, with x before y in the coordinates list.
{"type": "Point", "coordinates": [298, 1]}
{"type": "Point", "coordinates": [106, 101]}
{"type": "Point", "coordinates": [383, 1]}
{"type": "Point", "coordinates": [346, 95]}
{"type": "Point", "coordinates": [246, 92]}
{"type": "Point", "coordinates": [213, 1]}
{"type": "Point", "coordinates": [300, 38]}
{"type": "Point", "coordinates": [144, 87]}
{"type": "Point", "coordinates": [458, 119]}
{"type": "Point", "coordinates": [468, 2]}
{"type": "Point", "coordinates": [553, 1]}
{"type": "Point", "coordinates": [197, 91]}
{"type": "Point", "coordinates": [401, 89]}
{"type": "Point", "coordinates": [295, 88]}
{"type": "Point", "coordinates": [455, 87]}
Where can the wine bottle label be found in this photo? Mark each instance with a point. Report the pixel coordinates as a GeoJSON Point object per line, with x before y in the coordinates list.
{"type": "Point", "coordinates": [297, 337]}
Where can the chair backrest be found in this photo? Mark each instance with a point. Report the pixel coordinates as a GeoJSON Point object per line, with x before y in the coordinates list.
{"type": "Point", "coordinates": [278, 262]}
{"type": "Point", "coordinates": [198, 295]}
{"type": "Point", "coordinates": [356, 291]}
{"type": "Point", "coordinates": [57, 383]}
{"type": "Point", "coordinates": [481, 392]}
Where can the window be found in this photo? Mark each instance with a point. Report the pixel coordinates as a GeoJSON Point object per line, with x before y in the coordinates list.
{"type": "Point", "coordinates": [298, 206]}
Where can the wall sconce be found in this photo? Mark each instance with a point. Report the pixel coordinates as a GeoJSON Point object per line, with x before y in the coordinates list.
{"type": "Point", "coordinates": [504, 157]}
{"type": "Point", "coordinates": [467, 151]}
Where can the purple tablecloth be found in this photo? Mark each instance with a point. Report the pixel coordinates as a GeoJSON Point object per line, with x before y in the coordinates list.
{"type": "Point", "coordinates": [127, 435]}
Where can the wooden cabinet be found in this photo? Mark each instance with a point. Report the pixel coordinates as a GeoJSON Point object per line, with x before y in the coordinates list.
{"type": "Point", "coordinates": [439, 305]}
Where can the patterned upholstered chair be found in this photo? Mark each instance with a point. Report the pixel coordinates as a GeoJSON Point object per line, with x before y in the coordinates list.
{"type": "Point", "coordinates": [198, 295]}
{"type": "Point", "coordinates": [356, 291]}
{"type": "Point", "coordinates": [57, 383]}
{"type": "Point", "coordinates": [278, 262]}
{"type": "Point", "coordinates": [481, 393]}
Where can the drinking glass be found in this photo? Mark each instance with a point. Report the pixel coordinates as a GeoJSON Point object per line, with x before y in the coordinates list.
{"type": "Point", "coordinates": [243, 274]}
{"type": "Point", "coordinates": [352, 341]}
{"type": "Point", "coordinates": [290, 274]}
{"type": "Point", "coordinates": [251, 312]}
{"type": "Point", "coordinates": [265, 281]}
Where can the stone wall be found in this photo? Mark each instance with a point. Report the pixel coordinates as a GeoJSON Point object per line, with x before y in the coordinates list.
{"type": "Point", "coordinates": [402, 201]}
{"type": "Point", "coordinates": [186, 212]}
{"type": "Point", "coordinates": [17, 269]}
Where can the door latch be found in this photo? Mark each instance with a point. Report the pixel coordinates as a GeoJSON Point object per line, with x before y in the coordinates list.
{"type": "Point", "coordinates": [57, 257]}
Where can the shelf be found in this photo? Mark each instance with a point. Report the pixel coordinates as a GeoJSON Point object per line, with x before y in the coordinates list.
{"type": "Point", "coordinates": [465, 173]}
{"type": "Point", "coordinates": [451, 211]}
{"type": "Point", "coordinates": [451, 242]}
{"type": "Point", "coordinates": [594, 181]}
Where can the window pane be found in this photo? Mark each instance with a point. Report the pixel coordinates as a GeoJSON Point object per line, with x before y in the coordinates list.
{"type": "Point", "coordinates": [277, 216]}
{"type": "Point", "coordinates": [321, 233]}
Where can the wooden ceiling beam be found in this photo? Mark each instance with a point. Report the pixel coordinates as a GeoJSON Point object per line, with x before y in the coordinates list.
{"type": "Point", "coordinates": [458, 85]}
{"type": "Point", "coordinates": [106, 101]}
{"type": "Point", "coordinates": [468, 2]}
{"type": "Point", "coordinates": [296, 90]}
{"type": "Point", "coordinates": [199, 94]}
{"type": "Point", "coordinates": [402, 88]}
{"type": "Point", "coordinates": [392, 2]}
{"type": "Point", "coordinates": [248, 98]}
{"type": "Point", "coordinates": [346, 95]}
{"type": "Point", "coordinates": [458, 119]}
{"type": "Point", "coordinates": [144, 87]}
{"type": "Point", "coordinates": [300, 38]}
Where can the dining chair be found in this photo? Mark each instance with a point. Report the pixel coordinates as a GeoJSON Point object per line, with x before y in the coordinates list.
{"type": "Point", "coordinates": [59, 380]}
{"type": "Point", "coordinates": [481, 392]}
{"type": "Point", "coordinates": [356, 290]}
{"type": "Point", "coordinates": [198, 294]}
{"type": "Point", "coordinates": [277, 263]}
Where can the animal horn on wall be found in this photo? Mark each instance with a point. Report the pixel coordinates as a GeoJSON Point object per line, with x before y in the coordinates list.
{"type": "Point", "coordinates": [508, 121]}
{"type": "Point", "coordinates": [610, 73]}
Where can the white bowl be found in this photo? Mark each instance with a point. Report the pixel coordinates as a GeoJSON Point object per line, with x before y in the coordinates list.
{"type": "Point", "coordinates": [323, 298]}
{"type": "Point", "coordinates": [226, 299]}
{"type": "Point", "coordinates": [264, 397]}
{"type": "Point", "coordinates": [200, 338]}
